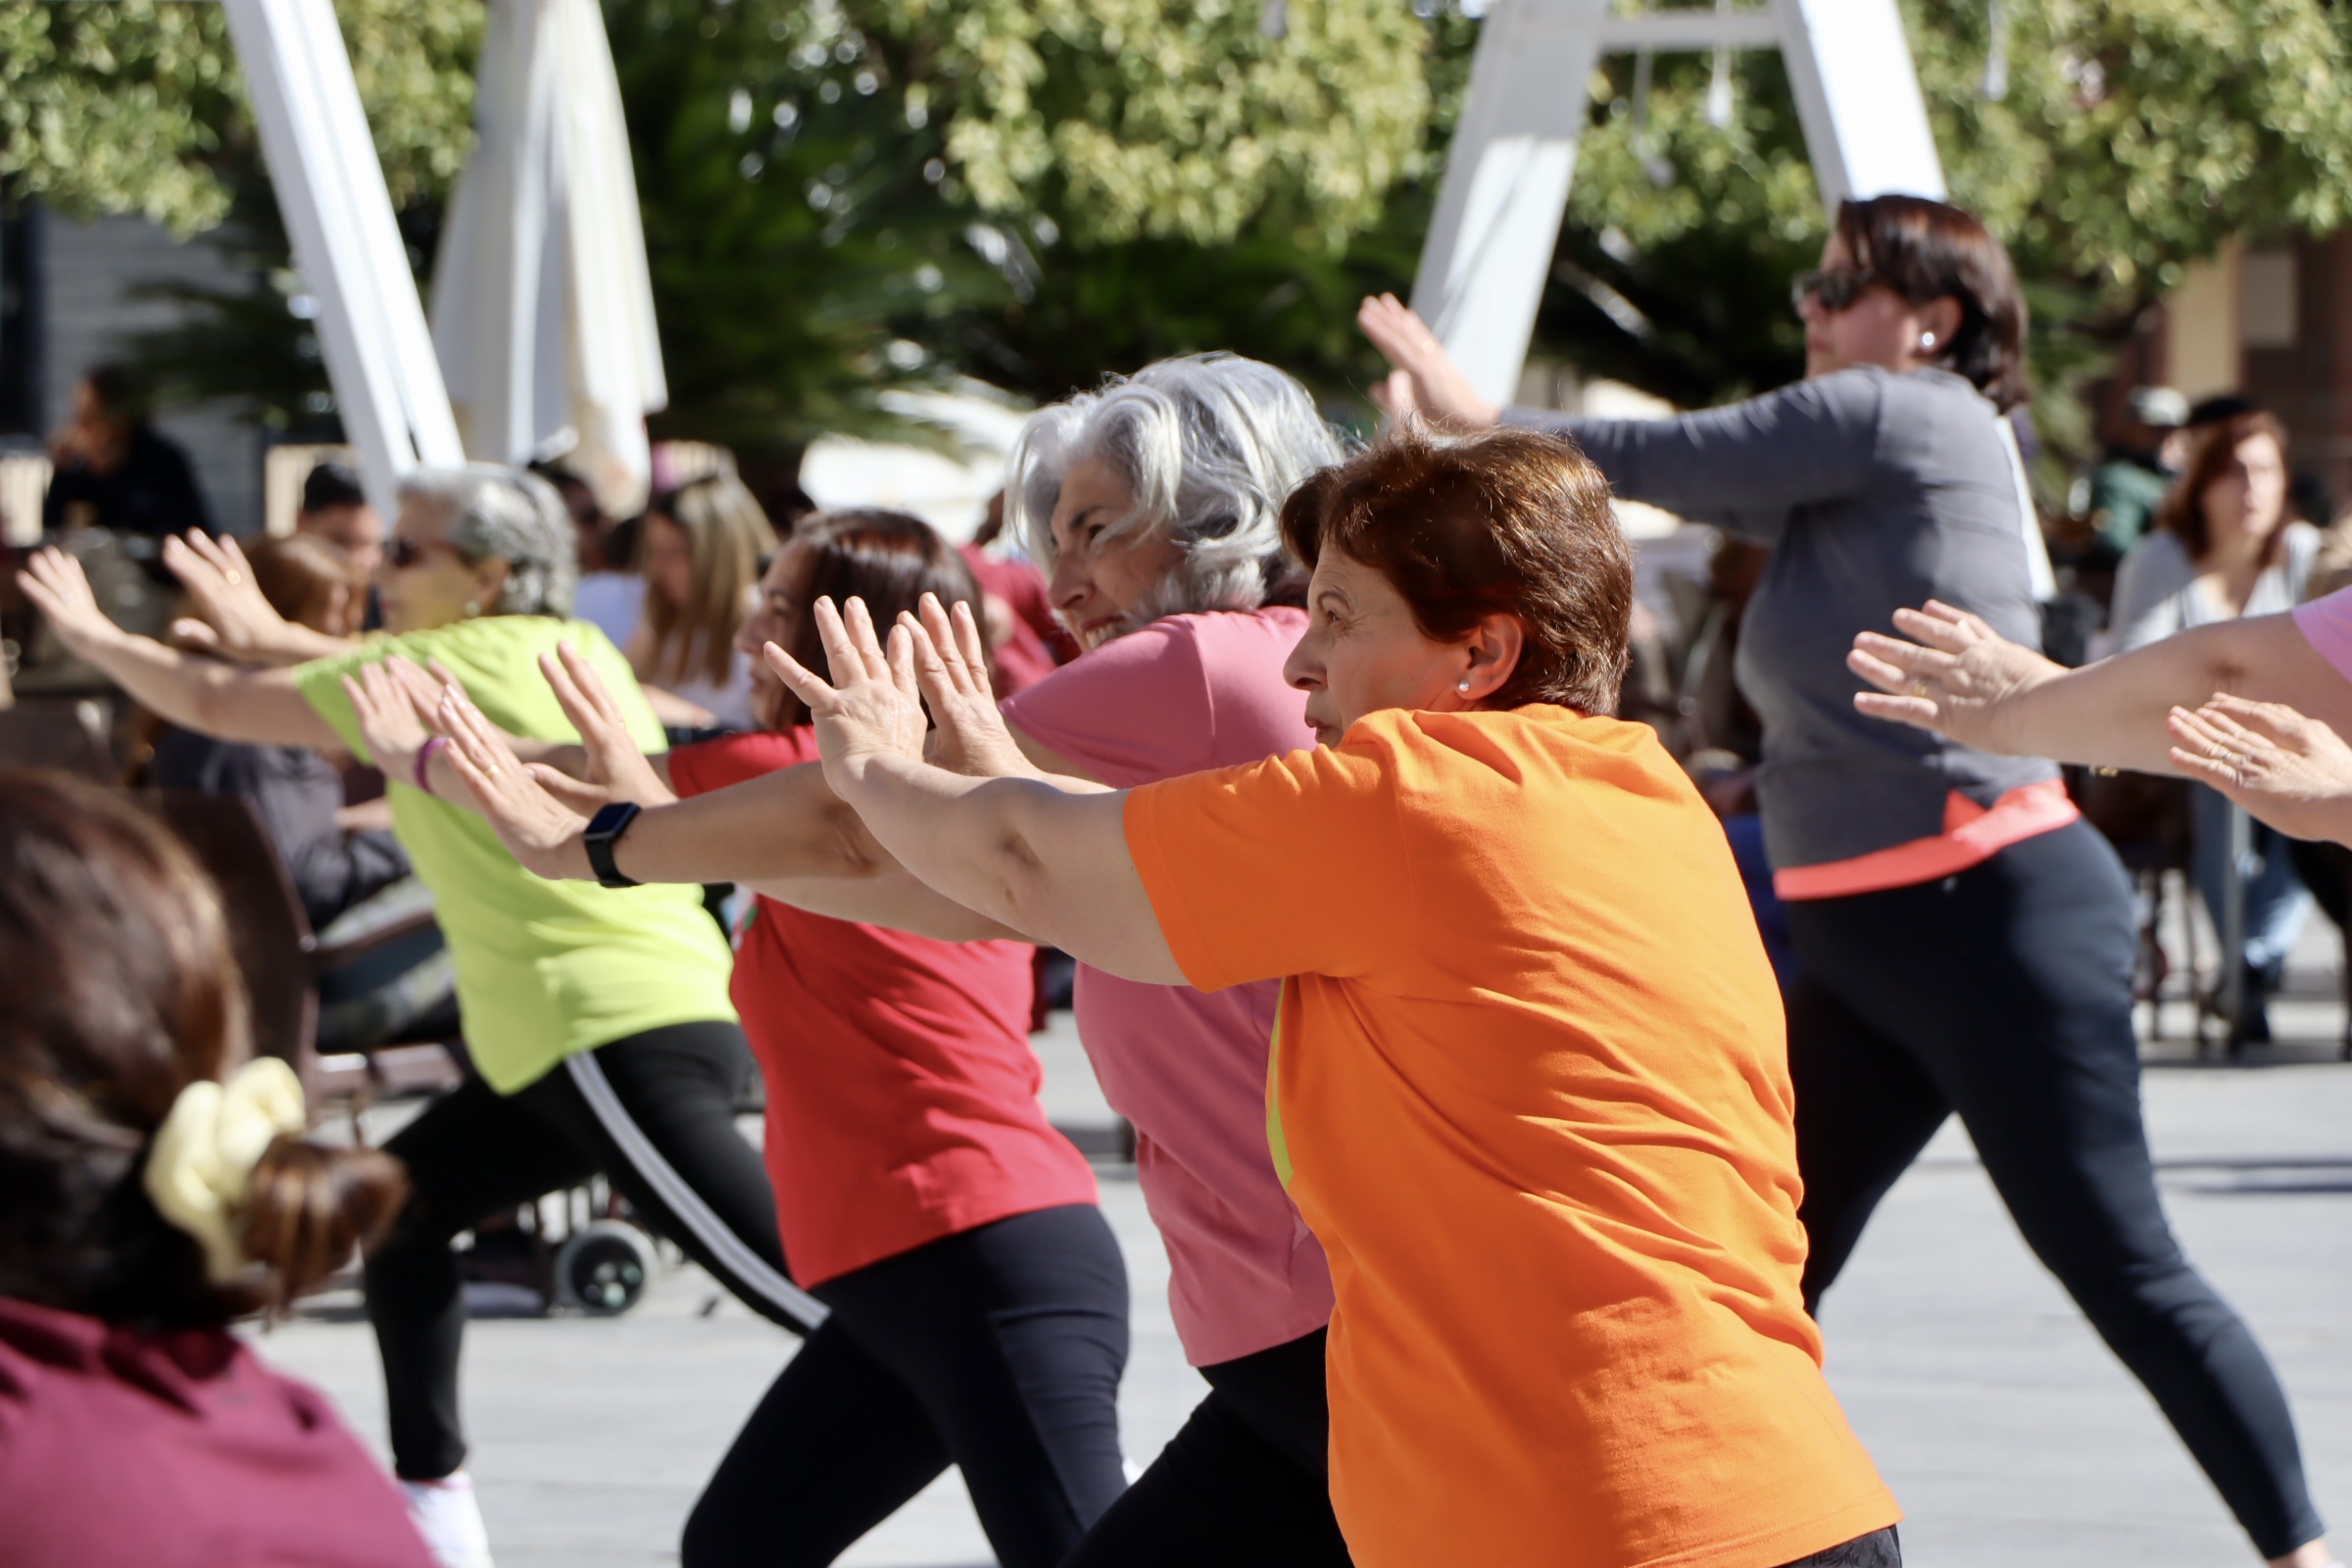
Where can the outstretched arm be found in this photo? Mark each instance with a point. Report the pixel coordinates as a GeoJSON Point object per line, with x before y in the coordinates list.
{"type": "Point", "coordinates": [1045, 856]}
{"type": "Point", "coordinates": [263, 707]}
{"type": "Point", "coordinates": [1955, 674]}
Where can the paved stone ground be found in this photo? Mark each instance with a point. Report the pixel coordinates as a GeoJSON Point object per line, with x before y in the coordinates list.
{"type": "Point", "coordinates": [2011, 1436]}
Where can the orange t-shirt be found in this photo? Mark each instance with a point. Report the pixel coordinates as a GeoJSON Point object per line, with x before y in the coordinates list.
{"type": "Point", "coordinates": [1531, 1090]}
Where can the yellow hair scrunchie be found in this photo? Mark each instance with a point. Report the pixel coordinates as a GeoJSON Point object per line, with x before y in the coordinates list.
{"type": "Point", "coordinates": [200, 1169]}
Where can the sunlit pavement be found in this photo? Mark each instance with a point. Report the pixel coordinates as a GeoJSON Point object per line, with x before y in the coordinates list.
{"type": "Point", "coordinates": [2012, 1438]}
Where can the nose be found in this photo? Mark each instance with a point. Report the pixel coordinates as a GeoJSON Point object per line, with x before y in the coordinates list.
{"type": "Point", "coordinates": [1069, 587]}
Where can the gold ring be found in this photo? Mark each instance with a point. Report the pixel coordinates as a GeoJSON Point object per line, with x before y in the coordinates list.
{"type": "Point", "coordinates": [1918, 688]}
{"type": "Point", "coordinates": [490, 770]}
{"type": "Point", "coordinates": [236, 579]}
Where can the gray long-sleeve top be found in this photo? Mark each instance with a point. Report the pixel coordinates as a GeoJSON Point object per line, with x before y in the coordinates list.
{"type": "Point", "coordinates": [1876, 491]}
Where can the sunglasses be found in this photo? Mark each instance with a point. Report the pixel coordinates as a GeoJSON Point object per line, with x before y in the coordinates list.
{"type": "Point", "coordinates": [1833, 288]}
{"type": "Point", "coordinates": [401, 552]}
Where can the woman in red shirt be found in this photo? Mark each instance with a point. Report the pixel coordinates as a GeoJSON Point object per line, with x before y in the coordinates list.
{"type": "Point", "coordinates": [147, 1206]}
{"type": "Point", "coordinates": [978, 1300]}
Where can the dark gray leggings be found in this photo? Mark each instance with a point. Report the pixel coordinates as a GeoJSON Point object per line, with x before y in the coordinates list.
{"type": "Point", "coordinates": [2005, 993]}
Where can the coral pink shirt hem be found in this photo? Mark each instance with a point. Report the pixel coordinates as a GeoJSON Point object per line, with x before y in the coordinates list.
{"type": "Point", "coordinates": [1971, 835]}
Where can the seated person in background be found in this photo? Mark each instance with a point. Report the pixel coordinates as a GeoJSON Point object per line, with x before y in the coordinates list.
{"type": "Point", "coordinates": [112, 462]}
{"type": "Point", "coordinates": [335, 509]}
{"type": "Point", "coordinates": [149, 1205]}
{"type": "Point", "coordinates": [342, 870]}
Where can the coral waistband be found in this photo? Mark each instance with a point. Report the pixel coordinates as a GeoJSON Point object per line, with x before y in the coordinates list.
{"type": "Point", "coordinates": [1971, 835]}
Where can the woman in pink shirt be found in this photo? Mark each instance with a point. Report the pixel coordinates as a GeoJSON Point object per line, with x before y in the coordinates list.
{"type": "Point", "coordinates": [1153, 505]}
{"type": "Point", "coordinates": [149, 1205]}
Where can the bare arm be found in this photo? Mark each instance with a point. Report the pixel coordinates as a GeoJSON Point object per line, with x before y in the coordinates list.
{"type": "Point", "coordinates": [259, 706]}
{"type": "Point", "coordinates": [1046, 857]}
{"type": "Point", "coordinates": [1961, 678]}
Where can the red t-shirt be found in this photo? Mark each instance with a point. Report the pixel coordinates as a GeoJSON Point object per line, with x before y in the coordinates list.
{"type": "Point", "coordinates": [123, 1449]}
{"type": "Point", "coordinates": [902, 1092]}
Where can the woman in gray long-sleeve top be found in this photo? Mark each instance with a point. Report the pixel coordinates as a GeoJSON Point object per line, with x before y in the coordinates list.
{"type": "Point", "coordinates": [1966, 939]}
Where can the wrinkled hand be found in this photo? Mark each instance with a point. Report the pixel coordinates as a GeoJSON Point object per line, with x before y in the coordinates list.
{"type": "Point", "coordinates": [389, 721]}
{"type": "Point", "coordinates": [1426, 381]}
{"type": "Point", "coordinates": [1952, 680]}
{"type": "Point", "coordinates": [873, 709]}
{"type": "Point", "coordinates": [61, 591]}
{"type": "Point", "coordinates": [2293, 773]}
{"type": "Point", "coordinates": [951, 668]}
{"type": "Point", "coordinates": [540, 830]}
{"type": "Point", "coordinates": [618, 769]}
{"type": "Point", "coordinates": [232, 619]}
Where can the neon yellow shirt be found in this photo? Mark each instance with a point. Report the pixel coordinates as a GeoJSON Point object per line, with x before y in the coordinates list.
{"type": "Point", "coordinates": [544, 968]}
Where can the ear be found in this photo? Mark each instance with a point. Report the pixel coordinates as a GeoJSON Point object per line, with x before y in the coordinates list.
{"type": "Point", "coordinates": [490, 575]}
{"type": "Point", "coordinates": [1494, 646]}
{"type": "Point", "coordinates": [1939, 319]}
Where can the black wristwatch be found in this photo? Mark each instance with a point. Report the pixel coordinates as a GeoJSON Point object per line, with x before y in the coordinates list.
{"type": "Point", "coordinates": [605, 829]}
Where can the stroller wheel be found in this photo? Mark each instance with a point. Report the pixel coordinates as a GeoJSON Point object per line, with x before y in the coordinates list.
{"type": "Point", "coordinates": [602, 1268]}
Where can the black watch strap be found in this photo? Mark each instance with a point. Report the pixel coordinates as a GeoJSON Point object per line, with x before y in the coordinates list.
{"type": "Point", "coordinates": [605, 829]}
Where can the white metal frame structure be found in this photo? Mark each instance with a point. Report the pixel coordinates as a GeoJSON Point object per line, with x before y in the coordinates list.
{"type": "Point", "coordinates": [338, 213]}
{"type": "Point", "coordinates": [1497, 219]}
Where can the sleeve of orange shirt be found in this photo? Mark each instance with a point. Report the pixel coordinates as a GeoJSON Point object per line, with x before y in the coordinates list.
{"type": "Point", "coordinates": [1294, 866]}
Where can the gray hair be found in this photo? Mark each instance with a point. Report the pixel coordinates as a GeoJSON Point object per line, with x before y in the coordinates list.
{"type": "Point", "coordinates": [1209, 445]}
{"type": "Point", "coordinates": [504, 514]}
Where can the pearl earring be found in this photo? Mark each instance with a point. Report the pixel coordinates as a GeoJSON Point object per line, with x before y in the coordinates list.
{"type": "Point", "coordinates": [473, 606]}
{"type": "Point", "coordinates": [1463, 686]}
{"type": "Point", "coordinates": [1926, 340]}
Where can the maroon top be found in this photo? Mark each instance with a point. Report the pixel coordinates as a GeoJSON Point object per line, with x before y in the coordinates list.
{"type": "Point", "coordinates": [125, 1449]}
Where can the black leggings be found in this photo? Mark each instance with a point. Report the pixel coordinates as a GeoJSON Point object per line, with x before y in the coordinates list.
{"type": "Point", "coordinates": [654, 1114]}
{"type": "Point", "coordinates": [1245, 1480]}
{"type": "Point", "coordinates": [998, 1351]}
{"type": "Point", "coordinates": [2005, 993]}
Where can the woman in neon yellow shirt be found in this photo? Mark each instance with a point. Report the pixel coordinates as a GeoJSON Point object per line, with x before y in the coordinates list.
{"type": "Point", "coordinates": [598, 1021]}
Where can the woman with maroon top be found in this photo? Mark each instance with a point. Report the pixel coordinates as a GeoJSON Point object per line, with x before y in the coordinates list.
{"type": "Point", "coordinates": [148, 1205]}
{"type": "Point", "coordinates": [978, 1300]}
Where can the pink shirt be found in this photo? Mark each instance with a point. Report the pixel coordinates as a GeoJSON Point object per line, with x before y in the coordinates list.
{"type": "Point", "coordinates": [1188, 1067]}
{"type": "Point", "coordinates": [2326, 624]}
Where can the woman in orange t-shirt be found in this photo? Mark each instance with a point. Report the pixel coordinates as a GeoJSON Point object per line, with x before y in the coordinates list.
{"type": "Point", "coordinates": [1530, 1086]}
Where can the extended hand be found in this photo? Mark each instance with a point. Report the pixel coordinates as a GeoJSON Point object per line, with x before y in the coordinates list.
{"type": "Point", "coordinates": [873, 709]}
{"type": "Point", "coordinates": [389, 723]}
{"type": "Point", "coordinates": [61, 591]}
{"type": "Point", "coordinates": [1427, 380]}
{"type": "Point", "coordinates": [617, 770]}
{"type": "Point", "coordinates": [540, 830]}
{"type": "Point", "coordinates": [2293, 773]}
{"type": "Point", "coordinates": [1952, 680]}
{"type": "Point", "coordinates": [232, 619]}
{"type": "Point", "coordinates": [951, 666]}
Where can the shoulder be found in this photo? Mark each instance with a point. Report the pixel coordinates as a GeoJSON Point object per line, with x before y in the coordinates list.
{"type": "Point", "coordinates": [2157, 558]}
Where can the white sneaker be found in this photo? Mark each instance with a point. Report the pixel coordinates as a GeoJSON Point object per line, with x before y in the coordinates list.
{"type": "Point", "coordinates": [450, 1520]}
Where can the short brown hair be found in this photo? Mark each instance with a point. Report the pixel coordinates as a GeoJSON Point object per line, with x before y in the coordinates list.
{"type": "Point", "coordinates": [299, 574]}
{"type": "Point", "coordinates": [2181, 513]}
{"type": "Point", "coordinates": [1928, 251]}
{"type": "Point", "coordinates": [117, 990]}
{"type": "Point", "coordinates": [1508, 522]}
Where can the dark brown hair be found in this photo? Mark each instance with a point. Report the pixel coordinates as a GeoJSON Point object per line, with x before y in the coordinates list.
{"type": "Point", "coordinates": [888, 558]}
{"type": "Point", "coordinates": [117, 990]}
{"type": "Point", "coordinates": [2181, 513]}
{"type": "Point", "coordinates": [1928, 251]}
{"type": "Point", "coordinates": [1508, 522]}
{"type": "Point", "coordinates": [299, 574]}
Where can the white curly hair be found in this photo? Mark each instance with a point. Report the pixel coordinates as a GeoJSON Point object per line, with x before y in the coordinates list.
{"type": "Point", "coordinates": [512, 515]}
{"type": "Point", "coordinates": [1209, 445]}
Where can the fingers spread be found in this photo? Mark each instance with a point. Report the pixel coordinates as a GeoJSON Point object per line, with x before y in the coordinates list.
{"type": "Point", "coordinates": [2272, 721]}
{"type": "Point", "coordinates": [808, 686]}
{"type": "Point", "coordinates": [1879, 673]}
{"type": "Point", "coordinates": [861, 624]}
{"type": "Point", "coordinates": [1919, 711]}
{"type": "Point", "coordinates": [590, 685]}
{"type": "Point", "coordinates": [897, 654]}
{"type": "Point", "coordinates": [842, 657]}
{"type": "Point", "coordinates": [1933, 626]}
{"type": "Point", "coordinates": [973, 647]}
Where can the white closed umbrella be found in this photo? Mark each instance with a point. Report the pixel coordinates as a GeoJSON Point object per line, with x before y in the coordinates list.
{"type": "Point", "coordinates": [543, 311]}
{"type": "Point", "coordinates": [331, 189]}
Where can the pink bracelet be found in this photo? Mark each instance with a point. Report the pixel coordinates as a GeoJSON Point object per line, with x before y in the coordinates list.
{"type": "Point", "coordinates": [425, 762]}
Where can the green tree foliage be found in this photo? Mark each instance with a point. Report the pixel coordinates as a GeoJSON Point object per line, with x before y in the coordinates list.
{"type": "Point", "coordinates": [138, 106]}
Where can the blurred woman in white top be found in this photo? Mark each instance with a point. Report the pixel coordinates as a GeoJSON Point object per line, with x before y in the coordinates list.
{"type": "Point", "coordinates": [700, 548]}
{"type": "Point", "coordinates": [2226, 546]}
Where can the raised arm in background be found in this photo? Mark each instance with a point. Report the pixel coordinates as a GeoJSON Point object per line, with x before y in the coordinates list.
{"type": "Point", "coordinates": [190, 690]}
